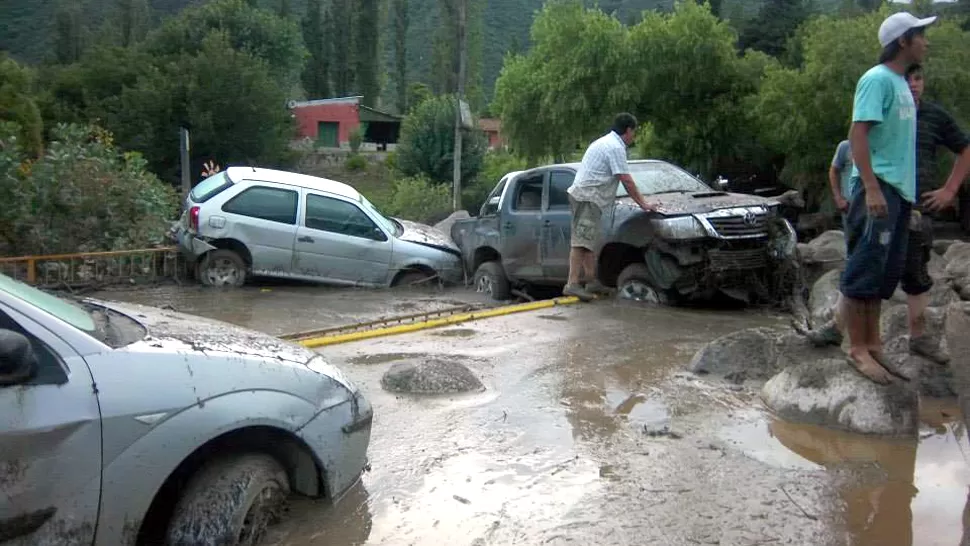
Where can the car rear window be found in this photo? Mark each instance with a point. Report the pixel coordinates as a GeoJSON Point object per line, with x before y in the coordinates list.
{"type": "Point", "coordinates": [210, 187]}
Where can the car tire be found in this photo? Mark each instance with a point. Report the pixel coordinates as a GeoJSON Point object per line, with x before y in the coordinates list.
{"type": "Point", "coordinates": [634, 283]}
{"type": "Point", "coordinates": [413, 279]}
{"type": "Point", "coordinates": [230, 501]}
{"type": "Point", "coordinates": [221, 268]}
{"type": "Point", "coordinates": [490, 279]}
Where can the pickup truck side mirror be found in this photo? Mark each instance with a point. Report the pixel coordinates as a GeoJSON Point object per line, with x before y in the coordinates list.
{"type": "Point", "coordinates": [18, 362]}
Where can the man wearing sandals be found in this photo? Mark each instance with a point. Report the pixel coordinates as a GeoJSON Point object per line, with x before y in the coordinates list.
{"type": "Point", "coordinates": [935, 128]}
{"type": "Point", "coordinates": [592, 193]}
{"type": "Point", "coordinates": [883, 143]}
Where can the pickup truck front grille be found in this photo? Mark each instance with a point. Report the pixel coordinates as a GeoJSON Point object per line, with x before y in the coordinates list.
{"type": "Point", "coordinates": [737, 260]}
{"type": "Point", "coordinates": [738, 227]}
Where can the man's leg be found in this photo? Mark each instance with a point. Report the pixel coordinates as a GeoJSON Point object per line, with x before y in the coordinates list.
{"type": "Point", "coordinates": [857, 316]}
{"type": "Point", "coordinates": [585, 223]}
{"type": "Point", "coordinates": [917, 284]}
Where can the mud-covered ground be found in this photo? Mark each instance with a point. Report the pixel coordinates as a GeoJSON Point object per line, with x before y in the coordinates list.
{"type": "Point", "coordinates": [589, 434]}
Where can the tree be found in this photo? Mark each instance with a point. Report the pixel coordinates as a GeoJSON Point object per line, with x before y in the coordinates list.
{"type": "Point", "coordinates": [316, 75]}
{"type": "Point", "coordinates": [426, 147]}
{"type": "Point", "coordinates": [445, 55]}
{"type": "Point", "coordinates": [400, 54]}
{"type": "Point", "coordinates": [132, 20]}
{"type": "Point", "coordinates": [68, 43]}
{"type": "Point", "coordinates": [366, 59]}
{"type": "Point", "coordinates": [341, 33]}
{"type": "Point", "coordinates": [284, 8]}
{"type": "Point", "coordinates": [775, 24]}
{"type": "Point", "coordinates": [259, 33]}
{"type": "Point", "coordinates": [17, 106]}
{"type": "Point", "coordinates": [418, 93]}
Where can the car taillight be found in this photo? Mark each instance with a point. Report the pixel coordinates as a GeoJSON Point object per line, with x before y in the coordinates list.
{"type": "Point", "coordinates": [194, 218]}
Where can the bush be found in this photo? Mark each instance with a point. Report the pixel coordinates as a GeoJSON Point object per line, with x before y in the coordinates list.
{"type": "Point", "coordinates": [356, 139]}
{"type": "Point", "coordinates": [82, 195]}
{"type": "Point", "coordinates": [419, 200]}
{"type": "Point", "coordinates": [356, 163]}
{"type": "Point", "coordinates": [427, 143]}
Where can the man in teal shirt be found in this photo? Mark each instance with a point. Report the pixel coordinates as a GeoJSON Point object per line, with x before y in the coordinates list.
{"type": "Point", "coordinates": [883, 142]}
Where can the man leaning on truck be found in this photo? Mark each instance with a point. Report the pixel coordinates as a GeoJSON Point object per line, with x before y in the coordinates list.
{"type": "Point", "coordinates": [592, 193]}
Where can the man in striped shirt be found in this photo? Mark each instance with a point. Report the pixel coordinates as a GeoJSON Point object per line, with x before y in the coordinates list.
{"type": "Point", "coordinates": [592, 193]}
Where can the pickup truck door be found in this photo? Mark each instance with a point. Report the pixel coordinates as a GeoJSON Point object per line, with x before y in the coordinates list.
{"type": "Point", "coordinates": [521, 229]}
{"type": "Point", "coordinates": [556, 223]}
{"type": "Point", "coordinates": [50, 445]}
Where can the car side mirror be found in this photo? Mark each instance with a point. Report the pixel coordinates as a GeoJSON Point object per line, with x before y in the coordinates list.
{"type": "Point", "coordinates": [18, 362]}
{"type": "Point", "coordinates": [491, 205]}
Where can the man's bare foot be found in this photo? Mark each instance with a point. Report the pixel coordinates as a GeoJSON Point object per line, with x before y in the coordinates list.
{"type": "Point", "coordinates": [887, 363]}
{"type": "Point", "coordinates": [863, 362]}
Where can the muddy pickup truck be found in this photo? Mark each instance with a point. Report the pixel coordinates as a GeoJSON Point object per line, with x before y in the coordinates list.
{"type": "Point", "coordinates": [699, 242]}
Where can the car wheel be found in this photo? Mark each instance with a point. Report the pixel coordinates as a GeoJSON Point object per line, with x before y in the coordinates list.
{"type": "Point", "coordinates": [490, 279]}
{"type": "Point", "coordinates": [634, 284]}
{"type": "Point", "coordinates": [222, 268]}
{"type": "Point", "coordinates": [414, 279]}
{"type": "Point", "coordinates": [231, 501]}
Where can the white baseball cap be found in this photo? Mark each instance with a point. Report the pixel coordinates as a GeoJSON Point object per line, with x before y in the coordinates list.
{"type": "Point", "coordinates": [898, 23]}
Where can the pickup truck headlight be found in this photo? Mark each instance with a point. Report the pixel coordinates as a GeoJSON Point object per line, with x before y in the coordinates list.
{"type": "Point", "coordinates": [680, 227]}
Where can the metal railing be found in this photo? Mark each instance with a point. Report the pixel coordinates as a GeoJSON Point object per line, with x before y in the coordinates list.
{"type": "Point", "coordinates": [96, 268]}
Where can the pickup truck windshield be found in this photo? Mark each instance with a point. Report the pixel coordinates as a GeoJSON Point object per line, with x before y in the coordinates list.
{"type": "Point", "coordinates": [652, 178]}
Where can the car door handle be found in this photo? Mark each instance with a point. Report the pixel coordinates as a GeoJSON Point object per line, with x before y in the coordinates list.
{"type": "Point", "coordinates": [305, 239]}
{"type": "Point", "coordinates": [507, 225]}
{"type": "Point", "coordinates": [547, 223]}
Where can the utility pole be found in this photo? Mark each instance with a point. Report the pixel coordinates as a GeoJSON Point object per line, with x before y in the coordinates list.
{"type": "Point", "coordinates": [456, 175]}
{"type": "Point", "coordinates": [184, 160]}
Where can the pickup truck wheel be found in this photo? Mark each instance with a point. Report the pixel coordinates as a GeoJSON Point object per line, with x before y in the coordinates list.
{"type": "Point", "coordinates": [221, 268]}
{"type": "Point", "coordinates": [634, 284]}
{"type": "Point", "coordinates": [230, 501]}
{"type": "Point", "coordinates": [490, 279]}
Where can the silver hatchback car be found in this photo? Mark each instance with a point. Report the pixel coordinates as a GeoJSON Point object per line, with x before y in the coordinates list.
{"type": "Point", "coordinates": [273, 223]}
{"type": "Point", "coordinates": [124, 425]}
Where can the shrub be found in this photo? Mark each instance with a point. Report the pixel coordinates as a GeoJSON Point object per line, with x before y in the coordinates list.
{"type": "Point", "coordinates": [419, 200]}
{"type": "Point", "coordinates": [426, 147]}
{"type": "Point", "coordinates": [356, 163]}
{"type": "Point", "coordinates": [356, 139]}
{"type": "Point", "coordinates": [82, 195]}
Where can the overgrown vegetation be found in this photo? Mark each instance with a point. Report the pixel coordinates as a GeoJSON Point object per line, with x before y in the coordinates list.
{"type": "Point", "coordinates": [82, 194]}
{"type": "Point", "coordinates": [428, 140]}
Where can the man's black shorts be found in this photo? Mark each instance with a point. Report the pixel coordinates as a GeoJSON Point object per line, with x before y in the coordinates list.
{"type": "Point", "coordinates": [916, 276]}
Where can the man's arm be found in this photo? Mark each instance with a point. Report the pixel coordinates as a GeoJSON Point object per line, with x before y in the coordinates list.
{"type": "Point", "coordinates": [957, 141]}
{"type": "Point", "coordinates": [634, 192]}
{"type": "Point", "coordinates": [859, 140]}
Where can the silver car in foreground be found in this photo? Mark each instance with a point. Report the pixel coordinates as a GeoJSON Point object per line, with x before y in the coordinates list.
{"type": "Point", "coordinates": [124, 424]}
{"type": "Point", "coordinates": [272, 223]}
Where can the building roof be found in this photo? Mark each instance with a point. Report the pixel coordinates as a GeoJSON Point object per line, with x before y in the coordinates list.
{"type": "Point", "coordinates": [320, 102]}
{"type": "Point", "coordinates": [293, 179]}
{"type": "Point", "coordinates": [490, 124]}
{"type": "Point", "coordinates": [367, 113]}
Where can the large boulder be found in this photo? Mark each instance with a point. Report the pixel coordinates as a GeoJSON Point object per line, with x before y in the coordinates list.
{"type": "Point", "coordinates": [433, 376]}
{"type": "Point", "coordinates": [738, 356]}
{"type": "Point", "coordinates": [823, 296]}
{"type": "Point", "coordinates": [831, 393]}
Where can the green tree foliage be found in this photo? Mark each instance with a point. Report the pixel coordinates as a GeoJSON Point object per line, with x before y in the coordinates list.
{"type": "Point", "coordinates": [259, 33]}
{"type": "Point", "coordinates": [426, 147]}
{"type": "Point", "coordinates": [341, 23]}
{"type": "Point", "coordinates": [777, 21]}
{"type": "Point", "coordinates": [803, 112]}
{"type": "Point", "coordinates": [132, 20]}
{"type": "Point", "coordinates": [316, 75]}
{"type": "Point", "coordinates": [418, 93]}
{"type": "Point", "coordinates": [82, 195]}
{"type": "Point", "coordinates": [17, 106]}
{"type": "Point", "coordinates": [418, 199]}
{"type": "Point", "coordinates": [69, 36]}
{"type": "Point", "coordinates": [366, 59]}
{"type": "Point", "coordinates": [445, 53]}
{"type": "Point", "coordinates": [400, 16]}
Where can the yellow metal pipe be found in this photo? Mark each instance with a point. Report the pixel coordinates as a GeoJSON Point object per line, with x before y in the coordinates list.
{"type": "Point", "coordinates": [434, 323]}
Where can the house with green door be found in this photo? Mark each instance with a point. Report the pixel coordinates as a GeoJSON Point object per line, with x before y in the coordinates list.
{"type": "Point", "coordinates": [330, 123]}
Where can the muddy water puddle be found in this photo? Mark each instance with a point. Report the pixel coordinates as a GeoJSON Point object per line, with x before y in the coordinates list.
{"type": "Point", "coordinates": [892, 491]}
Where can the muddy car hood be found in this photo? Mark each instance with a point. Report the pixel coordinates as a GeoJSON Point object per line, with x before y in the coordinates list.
{"type": "Point", "coordinates": [209, 335]}
{"type": "Point", "coordinates": [697, 203]}
{"type": "Point", "coordinates": [426, 235]}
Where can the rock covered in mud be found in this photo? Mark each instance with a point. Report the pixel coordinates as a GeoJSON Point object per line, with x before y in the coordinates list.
{"type": "Point", "coordinates": [738, 356]}
{"type": "Point", "coordinates": [823, 296]}
{"type": "Point", "coordinates": [432, 376]}
{"type": "Point", "coordinates": [445, 225]}
{"type": "Point", "coordinates": [827, 247]}
{"type": "Point", "coordinates": [830, 393]}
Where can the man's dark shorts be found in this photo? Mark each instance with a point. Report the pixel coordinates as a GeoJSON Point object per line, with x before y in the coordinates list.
{"type": "Point", "coordinates": [916, 275]}
{"type": "Point", "coordinates": [876, 246]}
